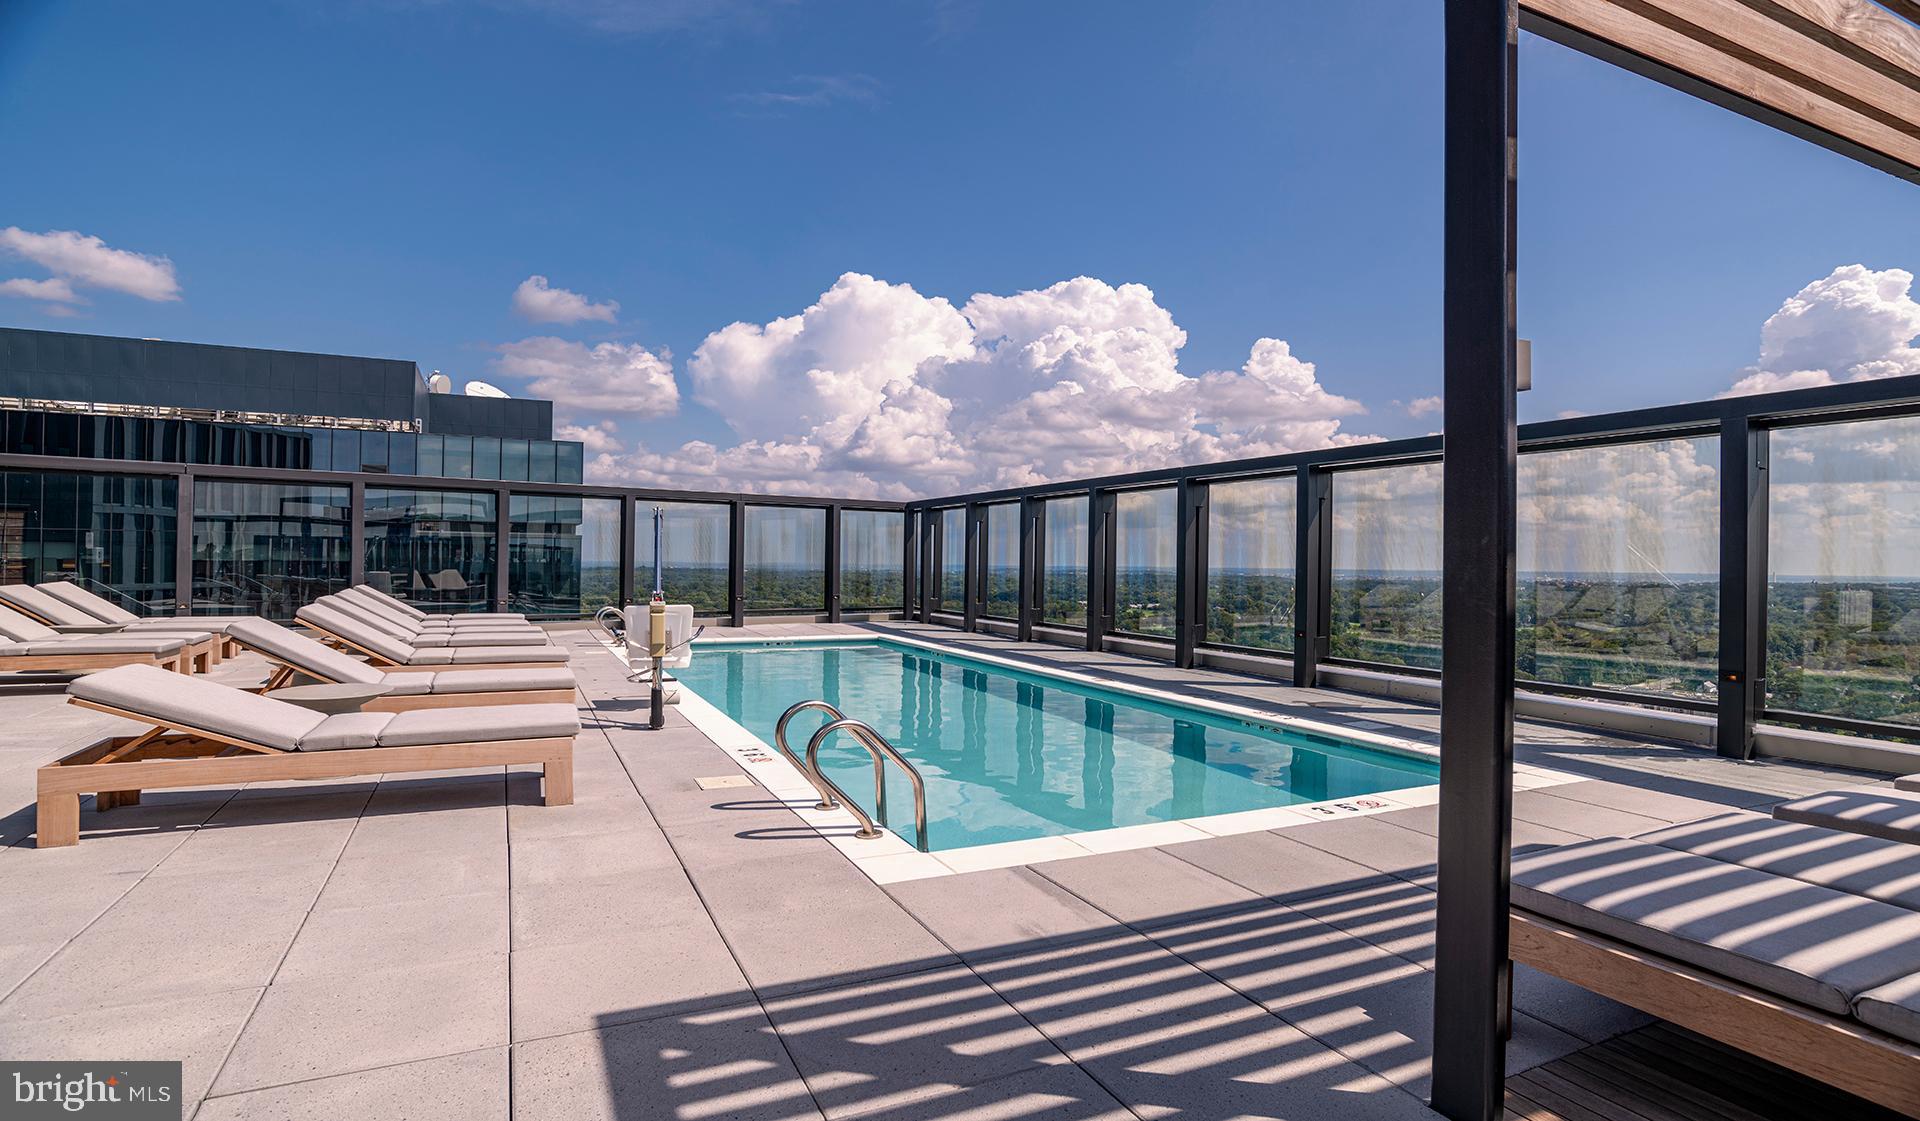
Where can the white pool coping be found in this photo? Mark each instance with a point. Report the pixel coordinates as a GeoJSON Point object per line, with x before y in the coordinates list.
{"type": "Point", "coordinates": [889, 858]}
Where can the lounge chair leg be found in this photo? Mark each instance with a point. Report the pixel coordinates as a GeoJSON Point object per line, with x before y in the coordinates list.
{"type": "Point", "coordinates": [213, 652]}
{"type": "Point", "coordinates": [57, 821]}
{"type": "Point", "coordinates": [114, 799]}
{"type": "Point", "coordinates": [559, 781]}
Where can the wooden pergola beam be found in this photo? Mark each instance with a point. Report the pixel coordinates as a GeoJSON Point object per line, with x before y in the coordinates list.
{"type": "Point", "coordinates": [1844, 72]}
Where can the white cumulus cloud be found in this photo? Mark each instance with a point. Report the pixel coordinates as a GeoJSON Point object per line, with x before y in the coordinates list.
{"type": "Point", "coordinates": [79, 260]}
{"type": "Point", "coordinates": [622, 378]}
{"type": "Point", "coordinates": [878, 389]}
{"type": "Point", "coordinates": [599, 439]}
{"type": "Point", "coordinates": [1854, 324]}
{"type": "Point", "coordinates": [537, 301]}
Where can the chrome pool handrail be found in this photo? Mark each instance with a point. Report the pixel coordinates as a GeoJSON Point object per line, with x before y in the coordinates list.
{"type": "Point", "coordinates": [825, 788]}
{"type": "Point", "coordinates": [877, 746]}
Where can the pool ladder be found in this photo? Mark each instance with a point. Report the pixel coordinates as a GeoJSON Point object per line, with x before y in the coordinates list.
{"type": "Point", "coordinates": [831, 796]}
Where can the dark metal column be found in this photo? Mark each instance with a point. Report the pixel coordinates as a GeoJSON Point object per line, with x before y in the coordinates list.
{"type": "Point", "coordinates": [357, 533]}
{"type": "Point", "coordinates": [1312, 573]}
{"type": "Point", "coordinates": [1100, 557]}
{"type": "Point", "coordinates": [1743, 584]}
{"type": "Point", "coordinates": [502, 546]}
{"type": "Point", "coordinates": [1472, 976]}
{"type": "Point", "coordinates": [1033, 532]}
{"type": "Point", "coordinates": [183, 544]}
{"type": "Point", "coordinates": [929, 563]}
{"type": "Point", "coordinates": [1190, 572]}
{"type": "Point", "coordinates": [909, 561]}
{"type": "Point", "coordinates": [630, 523]}
{"type": "Point", "coordinates": [833, 564]}
{"type": "Point", "coordinates": [976, 578]}
{"type": "Point", "coordinates": [737, 562]}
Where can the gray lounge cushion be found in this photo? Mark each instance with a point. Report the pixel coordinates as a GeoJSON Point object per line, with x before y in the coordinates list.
{"type": "Point", "coordinates": [102, 609]}
{"type": "Point", "coordinates": [499, 680]}
{"type": "Point", "coordinates": [480, 655]}
{"type": "Point", "coordinates": [466, 636]}
{"type": "Point", "coordinates": [1871, 866]}
{"type": "Point", "coordinates": [1806, 943]}
{"type": "Point", "coordinates": [346, 730]}
{"type": "Point", "coordinates": [196, 702]}
{"type": "Point", "coordinates": [165, 646]}
{"type": "Point", "coordinates": [217, 624]}
{"type": "Point", "coordinates": [315, 659]}
{"type": "Point", "coordinates": [1894, 1008]}
{"type": "Point", "coordinates": [19, 628]}
{"type": "Point", "coordinates": [29, 600]}
{"type": "Point", "coordinates": [1907, 782]}
{"type": "Point", "coordinates": [1874, 811]}
{"type": "Point", "coordinates": [480, 725]}
{"type": "Point", "coordinates": [328, 618]}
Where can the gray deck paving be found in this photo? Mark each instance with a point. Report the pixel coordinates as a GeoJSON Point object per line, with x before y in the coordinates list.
{"type": "Point", "coordinates": [444, 946]}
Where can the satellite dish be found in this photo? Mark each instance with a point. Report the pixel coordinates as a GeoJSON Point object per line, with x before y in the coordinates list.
{"type": "Point", "coordinates": [482, 389]}
{"type": "Point", "coordinates": [439, 383]}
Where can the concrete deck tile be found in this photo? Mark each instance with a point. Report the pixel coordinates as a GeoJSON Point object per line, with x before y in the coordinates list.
{"type": "Point", "coordinates": [469, 1087]}
{"type": "Point", "coordinates": [1001, 910]}
{"type": "Point", "coordinates": [390, 878]}
{"type": "Point", "coordinates": [19, 957]}
{"type": "Point", "coordinates": [654, 972]}
{"type": "Point", "coordinates": [238, 892]}
{"type": "Point", "coordinates": [722, 1063]}
{"type": "Point", "coordinates": [1030, 850]}
{"type": "Point", "coordinates": [195, 1031]}
{"type": "Point", "coordinates": [556, 859]}
{"type": "Point", "coordinates": [338, 1023]}
{"type": "Point", "coordinates": [1058, 1093]}
{"type": "Point", "coordinates": [813, 919]}
{"type": "Point", "coordinates": [1656, 804]}
{"type": "Point", "coordinates": [391, 935]}
{"type": "Point", "coordinates": [1526, 834]}
{"type": "Point", "coordinates": [1396, 916]}
{"type": "Point", "coordinates": [432, 819]}
{"type": "Point", "coordinates": [1276, 865]}
{"type": "Point", "coordinates": [883, 1044]}
{"type": "Point", "coordinates": [1373, 841]}
{"type": "Point", "coordinates": [1145, 886]}
{"type": "Point", "coordinates": [602, 906]}
{"type": "Point", "coordinates": [1568, 813]}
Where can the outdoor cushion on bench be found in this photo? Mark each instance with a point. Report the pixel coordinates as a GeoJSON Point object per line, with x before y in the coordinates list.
{"type": "Point", "coordinates": [103, 611]}
{"type": "Point", "coordinates": [373, 601]}
{"type": "Point", "coordinates": [1806, 943]}
{"type": "Point", "coordinates": [316, 659]}
{"type": "Point", "coordinates": [43, 605]}
{"type": "Point", "coordinates": [1894, 1008]}
{"type": "Point", "coordinates": [160, 645]}
{"type": "Point", "coordinates": [505, 634]}
{"type": "Point", "coordinates": [409, 609]}
{"type": "Point", "coordinates": [1858, 865]}
{"type": "Point", "coordinates": [19, 628]}
{"type": "Point", "coordinates": [1874, 811]}
{"type": "Point", "coordinates": [325, 617]}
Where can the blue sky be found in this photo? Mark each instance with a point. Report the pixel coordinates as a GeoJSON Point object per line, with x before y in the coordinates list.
{"type": "Point", "coordinates": [379, 177]}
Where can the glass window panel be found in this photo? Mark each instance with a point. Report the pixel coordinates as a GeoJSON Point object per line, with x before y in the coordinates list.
{"type": "Point", "coordinates": [1386, 565]}
{"type": "Point", "coordinates": [346, 449]}
{"type": "Point", "coordinates": [267, 548]}
{"type": "Point", "coordinates": [486, 457]}
{"type": "Point", "coordinates": [435, 548]}
{"type": "Point", "coordinates": [1064, 562]}
{"type": "Point", "coordinates": [456, 457]}
{"type": "Point", "coordinates": [401, 452]}
{"type": "Point", "coordinates": [1147, 533]}
{"type": "Point", "coordinates": [1250, 562]}
{"type": "Point", "coordinates": [693, 554]}
{"type": "Point", "coordinates": [872, 556]}
{"type": "Point", "coordinates": [373, 451]}
{"type": "Point", "coordinates": [567, 466]}
{"type": "Point", "coordinates": [785, 558]}
{"type": "Point", "coordinates": [950, 594]}
{"type": "Point", "coordinates": [1843, 587]}
{"type": "Point", "coordinates": [540, 461]}
{"type": "Point", "coordinates": [1003, 560]}
{"type": "Point", "coordinates": [112, 534]}
{"type": "Point", "coordinates": [563, 555]}
{"type": "Point", "coordinates": [1619, 560]}
{"type": "Point", "coordinates": [432, 454]}
{"type": "Point", "coordinates": [513, 460]}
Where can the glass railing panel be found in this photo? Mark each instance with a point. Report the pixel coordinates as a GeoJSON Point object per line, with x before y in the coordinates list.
{"type": "Point", "coordinates": [693, 551]}
{"type": "Point", "coordinates": [785, 557]}
{"type": "Point", "coordinates": [871, 544]}
{"type": "Point", "coordinates": [1146, 539]}
{"type": "Point", "coordinates": [1063, 563]}
{"type": "Point", "coordinates": [1250, 563]}
{"type": "Point", "coordinates": [268, 548]}
{"type": "Point", "coordinates": [1385, 590]}
{"type": "Point", "coordinates": [1003, 561]}
{"type": "Point", "coordinates": [563, 555]}
{"type": "Point", "coordinates": [433, 548]}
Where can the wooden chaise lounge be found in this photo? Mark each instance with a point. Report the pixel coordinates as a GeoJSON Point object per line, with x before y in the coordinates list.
{"type": "Point", "coordinates": [95, 608]}
{"type": "Point", "coordinates": [32, 645]}
{"type": "Point", "coordinates": [201, 733]}
{"type": "Point", "coordinates": [294, 653]}
{"type": "Point", "coordinates": [1799, 948]}
{"type": "Point", "coordinates": [369, 592]}
{"type": "Point", "coordinates": [383, 649]}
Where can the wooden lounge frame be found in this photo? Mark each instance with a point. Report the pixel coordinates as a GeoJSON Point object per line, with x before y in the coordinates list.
{"type": "Point", "coordinates": [380, 661]}
{"type": "Point", "coordinates": [186, 661]}
{"type": "Point", "coordinates": [216, 649]}
{"type": "Point", "coordinates": [173, 756]}
{"type": "Point", "coordinates": [1832, 1049]}
{"type": "Point", "coordinates": [283, 673]}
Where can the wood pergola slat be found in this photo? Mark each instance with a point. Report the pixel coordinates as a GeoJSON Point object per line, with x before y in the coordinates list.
{"type": "Point", "coordinates": [1846, 71]}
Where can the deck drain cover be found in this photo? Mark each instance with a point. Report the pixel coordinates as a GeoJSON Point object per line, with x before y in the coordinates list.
{"type": "Point", "coordinates": [721, 782]}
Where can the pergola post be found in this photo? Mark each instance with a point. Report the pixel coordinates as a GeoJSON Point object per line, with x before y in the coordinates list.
{"type": "Point", "coordinates": [1472, 975]}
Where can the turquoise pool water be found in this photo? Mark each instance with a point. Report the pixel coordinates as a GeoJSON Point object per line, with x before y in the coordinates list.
{"type": "Point", "coordinates": [1009, 755]}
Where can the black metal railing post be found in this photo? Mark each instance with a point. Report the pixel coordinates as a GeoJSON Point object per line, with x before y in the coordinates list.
{"type": "Point", "coordinates": [502, 546]}
{"type": "Point", "coordinates": [1312, 573]}
{"type": "Point", "coordinates": [1190, 572]}
{"type": "Point", "coordinates": [833, 563]}
{"type": "Point", "coordinates": [1100, 558]}
{"type": "Point", "coordinates": [737, 563]}
{"type": "Point", "coordinates": [909, 562]}
{"type": "Point", "coordinates": [356, 533]}
{"type": "Point", "coordinates": [183, 545]}
{"type": "Point", "coordinates": [929, 563]}
{"type": "Point", "coordinates": [1472, 974]}
{"type": "Point", "coordinates": [630, 523]}
{"type": "Point", "coordinates": [976, 575]}
{"type": "Point", "coordinates": [1033, 531]}
{"type": "Point", "coordinates": [1743, 585]}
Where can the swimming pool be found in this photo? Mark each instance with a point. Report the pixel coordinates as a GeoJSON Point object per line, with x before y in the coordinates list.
{"type": "Point", "coordinates": [1009, 755]}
